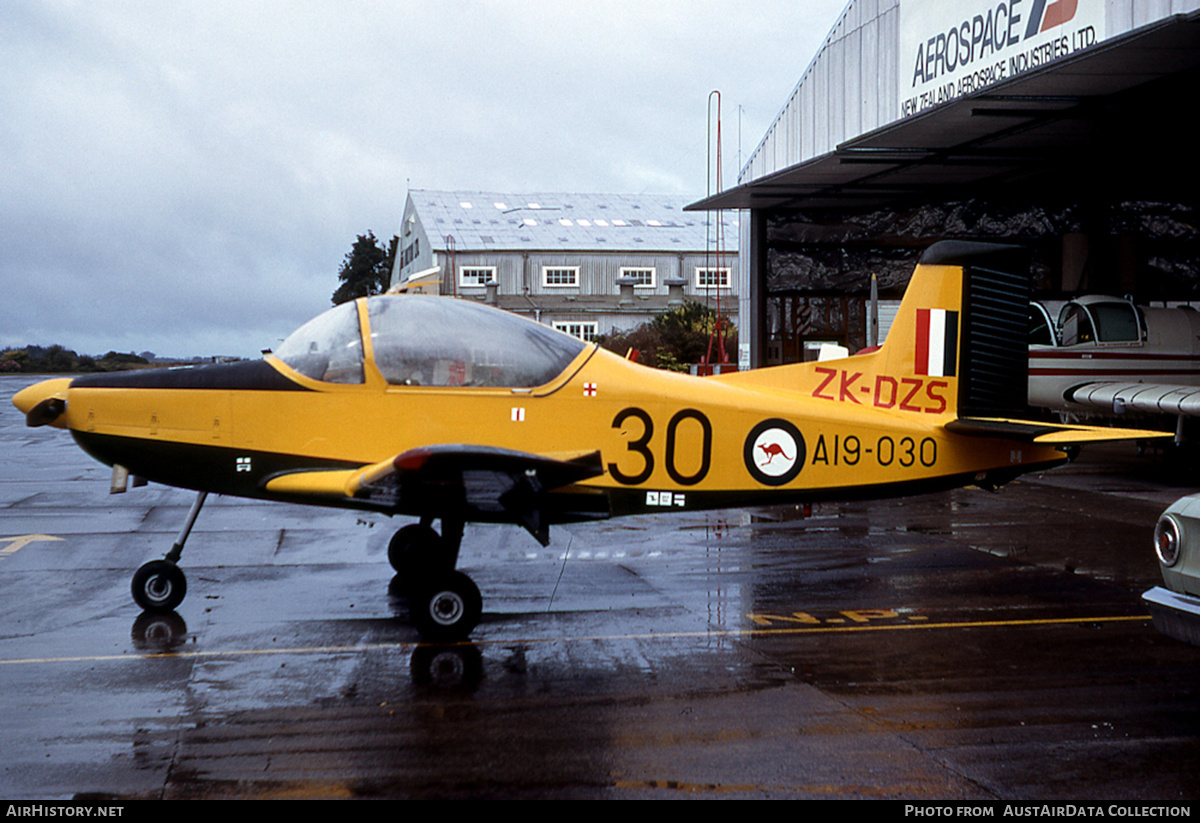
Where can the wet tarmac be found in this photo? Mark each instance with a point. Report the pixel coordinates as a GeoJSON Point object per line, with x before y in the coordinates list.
{"type": "Point", "coordinates": [961, 645]}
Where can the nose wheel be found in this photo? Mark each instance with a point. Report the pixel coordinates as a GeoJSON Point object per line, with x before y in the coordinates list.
{"type": "Point", "coordinates": [159, 586]}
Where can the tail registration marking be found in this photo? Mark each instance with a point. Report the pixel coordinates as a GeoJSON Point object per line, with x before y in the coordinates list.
{"type": "Point", "coordinates": [912, 394]}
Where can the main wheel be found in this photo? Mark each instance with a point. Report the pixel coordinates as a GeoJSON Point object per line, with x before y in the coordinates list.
{"type": "Point", "coordinates": [413, 548]}
{"type": "Point", "coordinates": [418, 554]}
{"type": "Point", "coordinates": [159, 586]}
{"type": "Point", "coordinates": [446, 607]}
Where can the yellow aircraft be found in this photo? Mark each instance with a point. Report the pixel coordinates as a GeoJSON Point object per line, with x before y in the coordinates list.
{"type": "Point", "coordinates": [453, 411]}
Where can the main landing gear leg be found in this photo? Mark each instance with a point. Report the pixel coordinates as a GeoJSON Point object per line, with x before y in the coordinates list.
{"type": "Point", "coordinates": [160, 585]}
{"type": "Point", "coordinates": [444, 603]}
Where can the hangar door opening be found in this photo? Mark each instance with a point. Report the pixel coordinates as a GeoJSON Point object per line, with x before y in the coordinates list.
{"type": "Point", "coordinates": [798, 325]}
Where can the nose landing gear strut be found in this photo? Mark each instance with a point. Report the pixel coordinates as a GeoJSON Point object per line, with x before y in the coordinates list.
{"type": "Point", "coordinates": [160, 585]}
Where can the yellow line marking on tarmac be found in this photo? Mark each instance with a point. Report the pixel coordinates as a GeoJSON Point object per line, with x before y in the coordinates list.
{"type": "Point", "coordinates": [508, 641]}
{"type": "Point", "coordinates": [15, 544]}
{"type": "Point", "coordinates": [1045, 621]}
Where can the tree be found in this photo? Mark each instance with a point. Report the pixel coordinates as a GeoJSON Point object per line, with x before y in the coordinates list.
{"type": "Point", "coordinates": [674, 339]}
{"type": "Point", "coordinates": [366, 270]}
{"type": "Point", "coordinates": [59, 359]}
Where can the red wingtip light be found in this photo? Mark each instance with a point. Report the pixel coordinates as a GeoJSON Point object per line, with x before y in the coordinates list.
{"type": "Point", "coordinates": [411, 460]}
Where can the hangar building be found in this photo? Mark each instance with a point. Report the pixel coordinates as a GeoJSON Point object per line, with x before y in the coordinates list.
{"type": "Point", "coordinates": [1062, 125]}
{"type": "Point", "coordinates": [587, 264]}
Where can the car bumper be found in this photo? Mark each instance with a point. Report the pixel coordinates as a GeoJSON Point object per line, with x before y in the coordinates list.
{"type": "Point", "coordinates": [1175, 615]}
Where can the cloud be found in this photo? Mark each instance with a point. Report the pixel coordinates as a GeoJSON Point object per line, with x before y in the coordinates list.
{"type": "Point", "coordinates": [187, 177]}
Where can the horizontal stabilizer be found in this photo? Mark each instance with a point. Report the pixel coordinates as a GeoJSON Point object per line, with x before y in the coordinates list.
{"type": "Point", "coordinates": [1045, 434]}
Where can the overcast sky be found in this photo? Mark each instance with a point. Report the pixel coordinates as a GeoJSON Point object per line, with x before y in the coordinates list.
{"type": "Point", "coordinates": [187, 177]}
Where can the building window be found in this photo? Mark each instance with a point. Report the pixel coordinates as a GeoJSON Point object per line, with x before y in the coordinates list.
{"type": "Point", "coordinates": [584, 331]}
{"type": "Point", "coordinates": [642, 278]}
{"type": "Point", "coordinates": [560, 276]}
{"type": "Point", "coordinates": [476, 275]}
{"type": "Point", "coordinates": [712, 278]}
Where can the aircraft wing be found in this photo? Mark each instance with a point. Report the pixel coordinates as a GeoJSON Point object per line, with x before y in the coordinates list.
{"type": "Point", "coordinates": [1046, 434]}
{"type": "Point", "coordinates": [476, 482]}
{"type": "Point", "coordinates": [1112, 397]}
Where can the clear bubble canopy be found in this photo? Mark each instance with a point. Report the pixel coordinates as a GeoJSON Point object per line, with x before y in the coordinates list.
{"type": "Point", "coordinates": [430, 341]}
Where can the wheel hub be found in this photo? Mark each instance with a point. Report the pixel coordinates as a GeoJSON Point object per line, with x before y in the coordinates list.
{"type": "Point", "coordinates": [447, 608]}
{"type": "Point", "coordinates": [158, 587]}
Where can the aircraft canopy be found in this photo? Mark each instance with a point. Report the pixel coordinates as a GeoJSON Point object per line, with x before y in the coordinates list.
{"type": "Point", "coordinates": [430, 341]}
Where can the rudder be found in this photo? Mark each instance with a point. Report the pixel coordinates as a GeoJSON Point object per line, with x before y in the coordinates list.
{"type": "Point", "coordinates": [993, 358]}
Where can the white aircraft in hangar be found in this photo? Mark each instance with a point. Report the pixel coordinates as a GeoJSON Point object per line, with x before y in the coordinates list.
{"type": "Point", "coordinates": [1100, 356]}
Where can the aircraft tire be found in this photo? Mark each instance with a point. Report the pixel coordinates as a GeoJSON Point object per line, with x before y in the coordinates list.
{"type": "Point", "coordinates": [159, 586]}
{"type": "Point", "coordinates": [418, 555]}
{"type": "Point", "coordinates": [412, 548]}
{"type": "Point", "coordinates": [447, 607]}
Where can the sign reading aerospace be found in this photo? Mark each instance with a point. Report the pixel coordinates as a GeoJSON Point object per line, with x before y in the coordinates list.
{"type": "Point", "coordinates": [949, 49]}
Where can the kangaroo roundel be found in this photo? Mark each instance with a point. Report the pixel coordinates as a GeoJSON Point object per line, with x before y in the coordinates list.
{"type": "Point", "coordinates": [774, 452]}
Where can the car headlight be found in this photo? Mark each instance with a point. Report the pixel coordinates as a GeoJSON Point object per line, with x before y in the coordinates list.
{"type": "Point", "coordinates": [1167, 540]}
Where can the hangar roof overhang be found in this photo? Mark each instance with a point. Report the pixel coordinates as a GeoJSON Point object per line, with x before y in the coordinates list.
{"type": "Point", "coordinates": [1115, 121]}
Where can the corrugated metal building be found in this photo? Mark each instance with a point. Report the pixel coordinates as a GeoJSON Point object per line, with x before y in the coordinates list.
{"type": "Point", "coordinates": [584, 263]}
{"type": "Point", "coordinates": [1064, 125]}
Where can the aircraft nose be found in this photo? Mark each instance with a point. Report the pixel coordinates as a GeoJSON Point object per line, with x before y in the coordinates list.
{"type": "Point", "coordinates": [44, 403]}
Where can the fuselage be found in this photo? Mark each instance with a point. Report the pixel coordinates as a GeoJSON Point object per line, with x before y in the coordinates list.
{"type": "Point", "coordinates": [667, 441]}
{"type": "Point", "coordinates": [348, 395]}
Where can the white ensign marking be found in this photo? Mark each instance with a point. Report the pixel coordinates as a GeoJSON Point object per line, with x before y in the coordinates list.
{"type": "Point", "coordinates": [937, 341]}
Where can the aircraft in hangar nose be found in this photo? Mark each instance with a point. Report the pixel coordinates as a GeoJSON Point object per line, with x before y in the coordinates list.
{"type": "Point", "coordinates": [450, 410]}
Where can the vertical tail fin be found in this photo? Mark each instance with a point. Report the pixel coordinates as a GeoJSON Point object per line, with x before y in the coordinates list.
{"type": "Point", "coordinates": [958, 345]}
{"type": "Point", "coordinates": [965, 319]}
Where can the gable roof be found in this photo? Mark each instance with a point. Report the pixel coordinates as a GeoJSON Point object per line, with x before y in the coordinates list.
{"type": "Point", "coordinates": [495, 221]}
